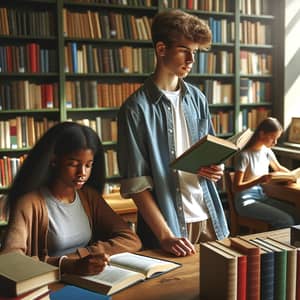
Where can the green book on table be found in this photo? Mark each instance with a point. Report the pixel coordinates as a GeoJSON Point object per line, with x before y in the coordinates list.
{"type": "Point", "coordinates": [280, 272]}
{"type": "Point", "coordinates": [210, 150]}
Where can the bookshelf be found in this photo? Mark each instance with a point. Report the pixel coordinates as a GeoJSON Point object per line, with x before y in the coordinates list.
{"type": "Point", "coordinates": [84, 57]}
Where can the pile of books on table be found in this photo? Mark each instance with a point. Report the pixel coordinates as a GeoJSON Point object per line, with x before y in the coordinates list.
{"type": "Point", "coordinates": [258, 266]}
{"type": "Point", "coordinates": [24, 277]}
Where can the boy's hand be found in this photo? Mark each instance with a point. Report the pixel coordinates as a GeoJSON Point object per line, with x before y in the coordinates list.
{"type": "Point", "coordinates": [213, 172]}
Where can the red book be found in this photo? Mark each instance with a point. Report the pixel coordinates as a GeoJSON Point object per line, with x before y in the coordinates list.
{"type": "Point", "coordinates": [47, 96]}
{"type": "Point", "coordinates": [9, 59]}
{"type": "Point", "coordinates": [253, 266]}
{"type": "Point", "coordinates": [32, 53]}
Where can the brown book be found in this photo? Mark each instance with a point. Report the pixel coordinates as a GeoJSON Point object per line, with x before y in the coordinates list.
{"type": "Point", "coordinates": [125, 269]}
{"type": "Point", "coordinates": [284, 177]}
{"type": "Point", "coordinates": [218, 270]}
{"type": "Point", "coordinates": [20, 274]}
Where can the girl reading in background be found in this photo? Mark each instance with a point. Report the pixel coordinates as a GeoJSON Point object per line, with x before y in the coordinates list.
{"type": "Point", "coordinates": [252, 171]}
{"type": "Point", "coordinates": [57, 212]}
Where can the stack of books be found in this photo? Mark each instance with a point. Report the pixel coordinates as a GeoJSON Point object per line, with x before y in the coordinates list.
{"type": "Point", "coordinates": [259, 266]}
{"type": "Point", "coordinates": [24, 277]}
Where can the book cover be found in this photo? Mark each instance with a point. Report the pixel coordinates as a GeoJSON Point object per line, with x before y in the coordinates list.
{"type": "Point", "coordinates": [20, 273]}
{"type": "Point", "coordinates": [76, 293]}
{"type": "Point", "coordinates": [267, 282]}
{"type": "Point", "coordinates": [241, 268]}
{"type": "Point", "coordinates": [31, 295]}
{"type": "Point", "coordinates": [125, 269]}
{"type": "Point", "coordinates": [280, 283]}
{"type": "Point", "coordinates": [291, 268]}
{"type": "Point", "coordinates": [253, 266]}
{"type": "Point", "coordinates": [210, 150]}
{"type": "Point", "coordinates": [218, 270]}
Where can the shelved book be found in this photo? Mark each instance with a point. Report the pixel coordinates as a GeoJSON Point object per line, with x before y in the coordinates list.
{"type": "Point", "coordinates": [211, 150]}
{"type": "Point", "coordinates": [125, 269]}
{"type": "Point", "coordinates": [20, 274]}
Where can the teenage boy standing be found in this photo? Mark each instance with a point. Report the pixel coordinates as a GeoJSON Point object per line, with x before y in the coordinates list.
{"type": "Point", "coordinates": [155, 125]}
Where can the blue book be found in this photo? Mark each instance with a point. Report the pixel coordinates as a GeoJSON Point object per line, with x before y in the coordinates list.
{"type": "Point", "coordinates": [76, 293]}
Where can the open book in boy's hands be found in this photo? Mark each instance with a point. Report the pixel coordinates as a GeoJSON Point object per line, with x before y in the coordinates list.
{"type": "Point", "coordinates": [211, 150]}
{"type": "Point", "coordinates": [285, 177]}
{"type": "Point", "coordinates": [125, 269]}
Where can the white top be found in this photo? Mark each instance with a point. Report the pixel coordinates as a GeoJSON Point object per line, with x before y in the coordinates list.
{"type": "Point", "coordinates": [194, 207]}
{"type": "Point", "coordinates": [254, 163]}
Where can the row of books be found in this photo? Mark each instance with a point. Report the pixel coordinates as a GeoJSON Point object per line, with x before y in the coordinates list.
{"type": "Point", "coordinates": [223, 30]}
{"type": "Point", "coordinates": [22, 131]}
{"type": "Point", "coordinates": [23, 94]}
{"type": "Point", "coordinates": [255, 33]}
{"type": "Point", "coordinates": [28, 58]}
{"type": "Point", "coordinates": [255, 63]}
{"type": "Point", "coordinates": [97, 94]}
{"type": "Point", "coordinates": [250, 118]}
{"type": "Point", "coordinates": [213, 62]}
{"type": "Point", "coordinates": [217, 92]}
{"type": "Point", "coordinates": [141, 3]}
{"type": "Point", "coordinates": [206, 5]}
{"type": "Point", "coordinates": [255, 7]}
{"type": "Point", "coordinates": [101, 25]}
{"type": "Point", "coordinates": [223, 121]}
{"type": "Point", "coordinates": [9, 167]}
{"type": "Point", "coordinates": [258, 267]}
{"type": "Point", "coordinates": [106, 128]}
{"type": "Point", "coordinates": [20, 21]}
{"type": "Point", "coordinates": [89, 58]}
{"type": "Point", "coordinates": [254, 91]}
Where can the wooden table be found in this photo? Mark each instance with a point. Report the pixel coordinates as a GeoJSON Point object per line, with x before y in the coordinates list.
{"type": "Point", "coordinates": [285, 192]}
{"type": "Point", "coordinates": [180, 284]}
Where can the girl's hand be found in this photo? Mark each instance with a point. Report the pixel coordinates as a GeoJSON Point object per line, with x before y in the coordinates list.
{"type": "Point", "coordinates": [89, 265]}
{"type": "Point", "coordinates": [265, 178]}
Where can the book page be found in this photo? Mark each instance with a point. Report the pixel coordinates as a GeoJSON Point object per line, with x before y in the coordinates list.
{"type": "Point", "coordinates": [241, 138]}
{"type": "Point", "coordinates": [140, 263]}
{"type": "Point", "coordinates": [283, 177]}
{"type": "Point", "coordinates": [113, 275]}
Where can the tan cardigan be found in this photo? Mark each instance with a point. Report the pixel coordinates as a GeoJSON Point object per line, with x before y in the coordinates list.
{"type": "Point", "coordinates": [28, 228]}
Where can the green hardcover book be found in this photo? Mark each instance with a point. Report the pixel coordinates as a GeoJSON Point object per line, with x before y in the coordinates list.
{"type": "Point", "coordinates": [280, 283]}
{"type": "Point", "coordinates": [210, 150]}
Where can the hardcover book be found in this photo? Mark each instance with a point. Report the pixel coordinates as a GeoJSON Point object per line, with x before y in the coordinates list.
{"type": "Point", "coordinates": [20, 274]}
{"type": "Point", "coordinates": [211, 150]}
{"type": "Point", "coordinates": [125, 269]}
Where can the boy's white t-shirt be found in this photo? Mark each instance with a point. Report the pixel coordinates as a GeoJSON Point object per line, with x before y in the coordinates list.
{"type": "Point", "coordinates": [194, 207]}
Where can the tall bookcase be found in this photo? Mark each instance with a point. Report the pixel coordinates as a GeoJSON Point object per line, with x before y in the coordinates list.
{"type": "Point", "coordinates": [63, 59]}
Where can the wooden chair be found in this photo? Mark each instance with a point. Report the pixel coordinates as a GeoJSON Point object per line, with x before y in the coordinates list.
{"type": "Point", "coordinates": [236, 221]}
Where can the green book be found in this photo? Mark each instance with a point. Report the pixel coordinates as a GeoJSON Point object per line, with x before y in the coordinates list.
{"type": "Point", "coordinates": [280, 283]}
{"type": "Point", "coordinates": [211, 150]}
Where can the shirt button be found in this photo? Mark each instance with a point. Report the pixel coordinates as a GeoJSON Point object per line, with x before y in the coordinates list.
{"type": "Point", "coordinates": [170, 130]}
{"type": "Point", "coordinates": [172, 151]}
{"type": "Point", "coordinates": [169, 108]}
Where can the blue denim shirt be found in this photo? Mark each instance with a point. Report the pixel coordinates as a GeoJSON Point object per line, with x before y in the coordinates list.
{"type": "Point", "coordinates": [146, 146]}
